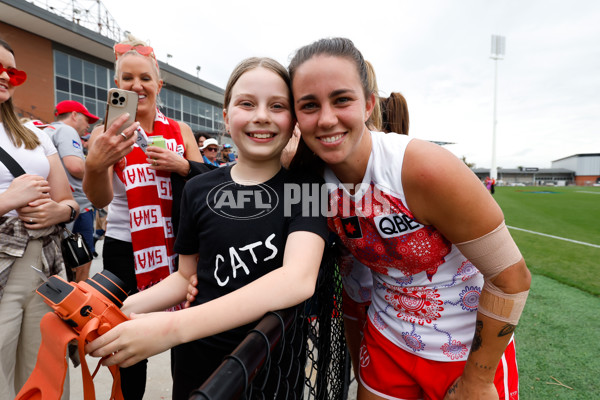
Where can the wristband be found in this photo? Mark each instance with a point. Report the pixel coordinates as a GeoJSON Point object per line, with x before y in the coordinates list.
{"type": "Point", "coordinates": [73, 214]}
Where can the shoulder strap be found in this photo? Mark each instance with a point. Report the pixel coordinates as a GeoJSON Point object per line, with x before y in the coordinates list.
{"type": "Point", "coordinates": [11, 164]}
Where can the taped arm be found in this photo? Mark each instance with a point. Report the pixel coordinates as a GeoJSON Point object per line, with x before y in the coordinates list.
{"type": "Point", "coordinates": [444, 193]}
{"type": "Point", "coordinates": [502, 299]}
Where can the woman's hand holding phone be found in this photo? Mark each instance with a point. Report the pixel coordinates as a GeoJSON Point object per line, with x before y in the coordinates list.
{"type": "Point", "coordinates": [107, 147]}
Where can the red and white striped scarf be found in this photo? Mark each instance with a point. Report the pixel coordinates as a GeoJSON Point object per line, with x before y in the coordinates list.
{"type": "Point", "coordinates": [150, 198]}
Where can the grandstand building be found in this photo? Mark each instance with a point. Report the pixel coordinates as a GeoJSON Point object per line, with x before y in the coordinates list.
{"type": "Point", "coordinates": [68, 55]}
{"type": "Point", "coordinates": [586, 167]}
{"type": "Point", "coordinates": [530, 176]}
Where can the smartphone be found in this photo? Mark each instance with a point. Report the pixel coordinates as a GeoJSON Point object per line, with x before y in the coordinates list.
{"type": "Point", "coordinates": [120, 102]}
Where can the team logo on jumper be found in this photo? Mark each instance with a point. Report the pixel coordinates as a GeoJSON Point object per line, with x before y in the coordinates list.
{"type": "Point", "coordinates": [240, 202]}
{"type": "Point", "coordinates": [351, 227]}
{"type": "Point", "coordinates": [394, 225]}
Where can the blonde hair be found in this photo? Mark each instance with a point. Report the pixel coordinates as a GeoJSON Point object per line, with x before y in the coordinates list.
{"type": "Point", "coordinates": [133, 41]}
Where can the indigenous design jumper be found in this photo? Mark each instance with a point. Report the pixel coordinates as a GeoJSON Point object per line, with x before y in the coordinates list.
{"type": "Point", "coordinates": [414, 266]}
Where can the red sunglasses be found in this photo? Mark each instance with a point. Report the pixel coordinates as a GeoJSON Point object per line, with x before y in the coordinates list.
{"type": "Point", "coordinates": [122, 48]}
{"type": "Point", "coordinates": [146, 51]}
{"type": "Point", "coordinates": [16, 77]}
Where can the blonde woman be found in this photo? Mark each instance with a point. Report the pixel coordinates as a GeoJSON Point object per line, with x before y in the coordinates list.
{"type": "Point", "coordinates": [137, 185]}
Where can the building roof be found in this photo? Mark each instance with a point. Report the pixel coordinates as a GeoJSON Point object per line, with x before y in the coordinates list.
{"type": "Point", "coordinates": [34, 19]}
{"type": "Point", "coordinates": [580, 155]}
{"type": "Point", "coordinates": [525, 171]}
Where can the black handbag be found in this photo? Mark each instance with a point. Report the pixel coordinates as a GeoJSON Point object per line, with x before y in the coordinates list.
{"type": "Point", "coordinates": [74, 249]}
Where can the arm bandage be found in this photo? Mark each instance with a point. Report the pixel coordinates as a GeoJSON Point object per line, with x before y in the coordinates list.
{"type": "Point", "coordinates": [492, 253]}
{"type": "Point", "coordinates": [501, 306]}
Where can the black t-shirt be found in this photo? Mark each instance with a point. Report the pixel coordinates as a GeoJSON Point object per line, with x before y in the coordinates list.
{"type": "Point", "coordinates": [240, 232]}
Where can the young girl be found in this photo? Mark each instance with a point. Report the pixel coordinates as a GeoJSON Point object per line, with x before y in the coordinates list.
{"type": "Point", "coordinates": [422, 221]}
{"type": "Point", "coordinates": [253, 252]}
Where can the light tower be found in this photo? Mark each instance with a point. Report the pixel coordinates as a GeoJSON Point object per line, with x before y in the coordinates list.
{"type": "Point", "coordinates": [498, 46]}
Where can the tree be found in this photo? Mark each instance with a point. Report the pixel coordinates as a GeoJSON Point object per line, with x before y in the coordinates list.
{"type": "Point", "coordinates": [468, 164]}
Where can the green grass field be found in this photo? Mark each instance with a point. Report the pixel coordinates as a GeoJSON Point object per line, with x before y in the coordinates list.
{"type": "Point", "coordinates": [558, 337]}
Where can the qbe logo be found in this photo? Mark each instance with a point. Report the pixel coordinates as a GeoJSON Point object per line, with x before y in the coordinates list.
{"type": "Point", "coordinates": [239, 202]}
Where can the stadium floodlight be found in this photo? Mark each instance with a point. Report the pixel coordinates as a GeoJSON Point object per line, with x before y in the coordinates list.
{"type": "Point", "coordinates": [498, 46]}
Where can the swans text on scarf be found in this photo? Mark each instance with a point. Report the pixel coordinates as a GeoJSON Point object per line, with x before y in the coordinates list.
{"type": "Point", "coordinates": [139, 175]}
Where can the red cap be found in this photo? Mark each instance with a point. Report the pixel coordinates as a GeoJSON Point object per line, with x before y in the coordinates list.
{"type": "Point", "coordinates": [68, 106]}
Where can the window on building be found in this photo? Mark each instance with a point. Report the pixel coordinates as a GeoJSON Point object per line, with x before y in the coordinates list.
{"type": "Point", "coordinates": [196, 113]}
{"type": "Point", "coordinates": [88, 83]}
{"type": "Point", "coordinates": [82, 81]}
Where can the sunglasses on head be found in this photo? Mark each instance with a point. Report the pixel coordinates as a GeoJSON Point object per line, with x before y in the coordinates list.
{"type": "Point", "coordinates": [146, 51]}
{"type": "Point", "coordinates": [122, 48]}
{"type": "Point", "coordinates": [16, 77]}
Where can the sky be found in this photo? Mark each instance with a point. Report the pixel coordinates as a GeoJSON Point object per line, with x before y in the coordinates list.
{"type": "Point", "coordinates": [435, 52]}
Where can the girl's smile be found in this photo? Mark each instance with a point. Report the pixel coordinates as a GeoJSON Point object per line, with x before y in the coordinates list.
{"type": "Point", "coordinates": [259, 116]}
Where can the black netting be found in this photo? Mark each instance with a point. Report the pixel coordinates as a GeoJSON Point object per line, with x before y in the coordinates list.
{"type": "Point", "coordinates": [299, 353]}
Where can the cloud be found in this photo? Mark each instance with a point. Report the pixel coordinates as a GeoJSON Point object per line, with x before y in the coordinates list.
{"type": "Point", "coordinates": [436, 53]}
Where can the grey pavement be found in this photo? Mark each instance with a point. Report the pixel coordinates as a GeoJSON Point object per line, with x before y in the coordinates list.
{"type": "Point", "coordinates": [159, 382]}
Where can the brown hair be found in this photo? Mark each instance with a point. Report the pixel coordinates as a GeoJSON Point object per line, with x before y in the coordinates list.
{"type": "Point", "coordinates": [305, 159]}
{"type": "Point", "coordinates": [335, 47]}
{"type": "Point", "coordinates": [16, 132]}
{"type": "Point", "coordinates": [395, 114]}
{"type": "Point", "coordinates": [375, 119]}
{"type": "Point", "coordinates": [250, 64]}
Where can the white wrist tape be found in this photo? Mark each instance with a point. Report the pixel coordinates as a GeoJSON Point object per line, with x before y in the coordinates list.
{"type": "Point", "coordinates": [493, 252]}
{"type": "Point", "coordinates": [498, 305]}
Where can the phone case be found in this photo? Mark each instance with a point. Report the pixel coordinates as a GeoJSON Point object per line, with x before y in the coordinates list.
{"type": "Point", "coordinates": [120, 102]}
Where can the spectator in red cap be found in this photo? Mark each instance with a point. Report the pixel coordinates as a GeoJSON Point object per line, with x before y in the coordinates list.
{"type": "Point", "coordinates": [72, 123]}
{"type": "Point", "coordinates": [72, 106]}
